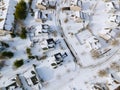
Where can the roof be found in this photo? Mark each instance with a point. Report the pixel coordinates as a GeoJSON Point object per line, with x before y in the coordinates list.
{"type": "Point", "coordinates": [12, 84]}
{"type": "Point", "coordinates": [94, 42]}
{"type": "Point", "coordinates": [7, 14]}
{"type": "Point", "coordinates": [44, 44]}
{"type": "Point", "coordinates": [38, 30]}
{"type": "Point", "coordinates": [75, 8]}
{"type": "Point", "coordinates": [83, 36]}
{"type": "Point", "coordinates": [51, 43]}
{"type": "Point", "coordinates": [30, 75]}
{"type": "Point", "coordinates": [107, 34]}
{"type": "Point", "coordinates": [73, 2]}
{"type": "Point", "coordinates": [110, 6]}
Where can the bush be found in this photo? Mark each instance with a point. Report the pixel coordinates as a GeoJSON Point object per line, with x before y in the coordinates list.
{"type": "Point", "coordinates": [45, 48]}
{"type": "Point", "coordinates": [31, 57]}
{"type": "Point", "coordinates": [95, 53]}
{"type": "Point", "coordinates": [18, 63]}
{"type": "Point", "coordinates": [66, 20]}
{"type": "Point", "coordinates": [7, 54]}
{"type": "Point", "coordinates": [114, 42]}
{"type": "Point", "coordinates": [43, 57]}
{"type": "Point", "coordinates": [28, 50]}
{"type": "Point", "coordinates": [21, 10]}
{"type": "Point", "coordinates": [102, 73]}
{"type": "Point", "coordinates": [53, 64]}
{"type": "Point", "coordinates": [2, 63]}
{"type": "Point", "coordinates": [12, 35]}
{"type": "Point", "coordinates": [23, 33]}
{"type": "Point", "coordinates": [32, 12]}
{"type": "Point", "coordinates": [5, 44]}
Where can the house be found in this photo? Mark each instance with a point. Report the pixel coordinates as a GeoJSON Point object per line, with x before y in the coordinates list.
{"type": "Point", "coordinates": [90, 41]}
{"type": "Point", "coordinates": [51, 43]}
{"type": "Point", "coordinates": [40, 5]}
{"type": "Point", "coordinates": [114, 19]}
{"type": "Point", "coordinates": [13, 83]}
{"type": "Point", "coordinates": [76, 17]}
{"type": "Point", "coordinates": [37, 74]}
{"type": "Point", "coordinates": [38, 36]}
{"type": "Point", "coordinates": [40, 16]}
{"type": "Point", "coordinates": [46, 4]}
{"type": "Point", "coordinates": [115, 77]}
{"type": "Point", "coordinates": [71, 8]}
{"type": "Point", "coordinates": [93, 43]}
{"type": "Point", "coordinates": [7, 16]}
{"type": "Point", "coordinates": [52, 4]}
{"type": "Point", "coordinates": [110, 7]}
{"type": "Point", "coordinates": [44, 44]}
{"type": "Point", "coordinates": [84, 16]}
{"type": "Point", "coordinates": [47, 43]}
{"type": "Point", "coordinates": [31, 80]}
{"type": "Point", "coordinates": [45, 28]}
{"type": "Point", "coordinates": [107, 34]}
{"type": "Point", "coordinates": [73, 2]}
{"type": "Point", "coordinates": [38, 30]}
{"type": "Point", "coordinates": [83, 36]}
{"type": "Point", "coordinates": [75, 8]}
{"type": "Point", "coordinates": [100, 86]}
{"type": "Point", "coordinates": [58, 58]}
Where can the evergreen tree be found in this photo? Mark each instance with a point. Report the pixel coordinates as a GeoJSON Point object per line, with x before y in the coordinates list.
{"type": "Point", "coordinates": [21, 10]}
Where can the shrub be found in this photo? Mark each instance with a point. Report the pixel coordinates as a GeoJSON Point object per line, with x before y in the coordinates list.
{"type": "Point", "coordinates": [28, 50]}
{"type": "Point", "coordinates": [31, 57]}
{"type": "Point", "coordinates": [114, 42]}
{"type": "Point", "coordinates": [7, 54]}
{"type": "Point", "coordinates": [53, 64]}
{"type": "Point", "coordinates": [32, 12]}
{"type": "Point", "coordinates": [18, 63]}
{"type": "Point", "coordinates": [12, 35]}
{"type": "Point", "coordinates": [95, 53]}
{"type": "Point", "coordinates": [5, 44]}
{"type": "Point", "coordinates": [2, 63]}
{"type": "Point", "coordinates": [102, 73]}
{"type": "Point", "coordinates": [43, 57]}
{"type": "Point", "coordinates": [21, 10]}
{"type": "Point", "coordinates": [45, 48]}
{"type": "Point", "coordinates": [66, 20]}
{"type": "Point", "coordinates": [23, 33]}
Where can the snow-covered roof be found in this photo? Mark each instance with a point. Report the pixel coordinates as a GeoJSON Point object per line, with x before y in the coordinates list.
{"type": "Point", "coordinates": [93, 42]}
{"type": "Point", "coordinates": [39, 1]}
{"type": "Point", "coordinates": [7, 14]}
{"type": "Point", "coordinates": [107, 34]}
{"type": "Point", "coordinates": [12, 84]}
{"type": "Point", "coordinates": [112, 18]}
{"type": "Point", "coordinates": [115, 76]}
{"type": "Point", "coordinates": [83, 36]}
{"type": "Point", "coordinates": [38, 30]}
{"type": "Point", "coordinates": [73, 2]}
{"type": "Point", "coordinates": [44, 44]}
{"type": "Point", "coordinates": [110, 6]}
{"type": "Point", "coordinates": [29, 74]}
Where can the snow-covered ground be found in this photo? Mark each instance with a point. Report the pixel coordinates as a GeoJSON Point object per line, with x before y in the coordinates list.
{"type": "Point", "coordinates": [69, 64]}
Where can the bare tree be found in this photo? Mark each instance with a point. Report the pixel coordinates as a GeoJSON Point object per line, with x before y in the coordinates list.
{"type": "Point", "coordinates": [114, 42]}
{"type": "Point", "coordinates": [102, 73]}
{"type": "Point", "coordinates": [95, 53]}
